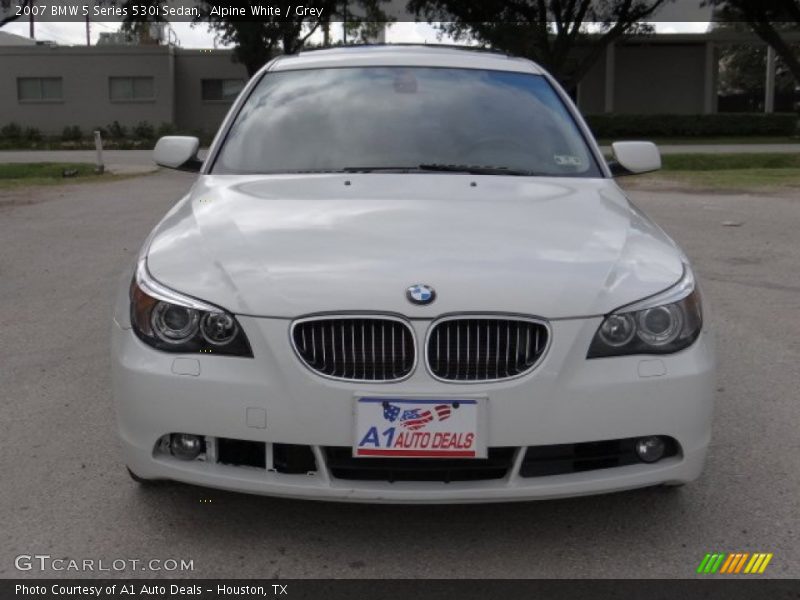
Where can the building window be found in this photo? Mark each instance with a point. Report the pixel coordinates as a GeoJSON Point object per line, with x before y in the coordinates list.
{"type": "Point", "coordinates": [224, 90]}
{"type": "Point", "coordinates": [122, 89]}
{"type": "Point", "coordinates": [38, 89]}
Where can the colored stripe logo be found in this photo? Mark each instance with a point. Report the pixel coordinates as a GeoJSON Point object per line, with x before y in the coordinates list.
{"type": "Point", "coordinates": [734, 563]}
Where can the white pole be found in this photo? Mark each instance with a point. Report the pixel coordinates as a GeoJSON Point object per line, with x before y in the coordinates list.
{"type": "Point", "coordinates": [98, 145]}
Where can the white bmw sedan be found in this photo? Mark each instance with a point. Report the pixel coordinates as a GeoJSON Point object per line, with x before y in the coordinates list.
{"type": "Point", "coordinates": [406, 274]}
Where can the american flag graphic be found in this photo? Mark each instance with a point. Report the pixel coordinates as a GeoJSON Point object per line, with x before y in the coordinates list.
{"type": "Point", "coordinates": [417, 418]}
{"type": "Point", "coordinates": [443, 411]}
{"type": "Point", "coordinates": [390, 412]}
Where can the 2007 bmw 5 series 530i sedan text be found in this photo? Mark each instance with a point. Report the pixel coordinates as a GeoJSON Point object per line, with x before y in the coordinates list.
{"type": "Point", "coordinates": [406, 274]}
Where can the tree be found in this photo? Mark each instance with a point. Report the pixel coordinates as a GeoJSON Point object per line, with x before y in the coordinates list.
{"type": "Point", "coordinates": [768, 19]}
{"type": "Point", "coordinates": [742, 66]}
{"type": "Point", "coordinates": [257, 41]}
{"type": "Point", "coordinates": [139, 28]}
{"type": "Point", "coordinates": [8, 11]}
{"type": "Point", "coordinates": [547, 31]}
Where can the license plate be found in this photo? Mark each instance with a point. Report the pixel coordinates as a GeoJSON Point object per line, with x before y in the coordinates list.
{"type": "Point", "coordinates": [393, 427]}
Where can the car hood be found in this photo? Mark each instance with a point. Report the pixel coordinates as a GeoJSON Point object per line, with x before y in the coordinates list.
{"type": "Point", "coordinates": [291, 245]}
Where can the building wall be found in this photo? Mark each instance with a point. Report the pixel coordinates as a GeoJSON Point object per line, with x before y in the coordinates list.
{"type": "Point", "coordinates": [649, 78]}
{"type": "Point", "coordinates": [86, 101]}
{"type": "Point", "coordinates": [660, 78]}
{"type": "Point", "coordinates": [591, 89]}
{"type": "Point", "coordinates": [654, 74]}
{"type": "Point", "coordinates": [191, 67]}
{"type": "Point", "coordinates": [85, 76]}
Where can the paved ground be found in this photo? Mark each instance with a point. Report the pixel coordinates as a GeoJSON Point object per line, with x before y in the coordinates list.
{"type": "Point", "coordinates": [64, 492]}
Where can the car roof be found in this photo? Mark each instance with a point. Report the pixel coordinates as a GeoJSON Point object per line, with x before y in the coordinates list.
{"type": "Point", "coordinates": [387, 55]}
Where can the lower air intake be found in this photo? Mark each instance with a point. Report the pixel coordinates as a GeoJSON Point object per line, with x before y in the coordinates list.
{"type": "Point", "coordinates": [342, 465]}
{"type": "Point", "coordinates": [560, 459]}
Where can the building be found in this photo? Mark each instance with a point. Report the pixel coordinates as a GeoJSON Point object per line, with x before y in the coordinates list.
{"type": "Point", "coordinates": [9, 39]}
{"type": "Point", "coordinates": [50, 87]}
{"type": "Point", "coordinates": [669, 74]}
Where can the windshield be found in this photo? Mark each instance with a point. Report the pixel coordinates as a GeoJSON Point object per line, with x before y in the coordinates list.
{"type": "Point", "coordinates": [384, 118]}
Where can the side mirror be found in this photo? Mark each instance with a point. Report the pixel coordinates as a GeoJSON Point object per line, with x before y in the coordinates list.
{"type": "Point", "coordinates": [178, 152]}
{"type": "Point", "coordinates": [634, 158]}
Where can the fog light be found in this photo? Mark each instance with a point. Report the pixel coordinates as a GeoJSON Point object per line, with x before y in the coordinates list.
{"type": "Point", "coordinates": [650, 449]}
{"type": "Point", "coordinates": [186, 446]}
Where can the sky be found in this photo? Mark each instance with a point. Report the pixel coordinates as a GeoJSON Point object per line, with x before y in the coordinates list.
{"type": "Point", "coordinates": [199, 37]}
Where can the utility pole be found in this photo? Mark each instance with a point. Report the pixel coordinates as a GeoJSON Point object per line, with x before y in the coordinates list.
{"type": "Point", "coordinates": [344, 24]}
{"type": "Point", "coordinates": [769, 84]}
{"type": "Point", "coordinates": [88, 32]}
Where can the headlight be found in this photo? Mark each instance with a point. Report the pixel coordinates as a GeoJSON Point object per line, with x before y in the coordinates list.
{"type": "Point", "coordinates": [172, 322]}
{"type": "Point", "coordinates": [662, 324]}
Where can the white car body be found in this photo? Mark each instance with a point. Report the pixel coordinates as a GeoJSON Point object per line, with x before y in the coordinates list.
{"type": "Point", "coordinates": [275, 249]}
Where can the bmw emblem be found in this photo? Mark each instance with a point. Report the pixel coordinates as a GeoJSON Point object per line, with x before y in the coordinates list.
{"type": "Point", "coordinates": [420, 294]}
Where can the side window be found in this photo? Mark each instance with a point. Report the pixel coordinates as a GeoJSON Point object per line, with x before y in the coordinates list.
{"type": "Point", "coordinates": [121, 89]}
{"type": "Point", "coordinates": [33, 89]}
{"type": "Point", "coordinates": [220, 90]}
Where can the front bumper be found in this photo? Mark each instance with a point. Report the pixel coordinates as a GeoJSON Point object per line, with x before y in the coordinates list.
{"type": "Point", "coordinates": [566, 399]}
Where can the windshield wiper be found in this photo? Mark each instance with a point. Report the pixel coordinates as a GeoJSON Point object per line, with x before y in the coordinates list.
{"type": "Point", "coordinates": [427, 167]}
{"type": "Point", "coordinates": [473, 169]}
{"type": "Point", "coordinates": [379, 169]}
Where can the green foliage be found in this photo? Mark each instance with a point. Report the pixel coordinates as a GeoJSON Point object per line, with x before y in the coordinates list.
{"type": "Point", "coordinates": [166, 129]}
{"type": "Point", "coordinates": [117, 131]}
{"type": "Point", "coordinates": [730, 162]}
{"type": "Point", "coordinates": [740, 171]}
{"type": "Point", "coordinates": [769, 20]}
{"type": "Point", "coordinates": [12, 131]}
{"type": "Point", "coordinates": [14, 175]}
{"type": "Point", "coordinates": [616, 126]}
{"type": "Point", "coordinates": [554, 34]}
{"type": "Point", "coordinates": [144, 131]}
{"type": "Point", "coordinates": [743, 66]}
{"type": "Point", "coordinates": [256, 41]}
{"type": "Point", "coordinates": [138, 28]}
{"type": "Point", "coordinates": [43, 170]}
{"type": "Point", "coordinates": [32, 134]}
{"type": "Point", "coordinates": [115, 136]}
{"type": "Point", "coordinates": [71, 134]}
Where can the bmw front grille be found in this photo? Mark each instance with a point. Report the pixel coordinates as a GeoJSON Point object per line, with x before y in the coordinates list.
{"type": "Point", "coordinates": [458, 348]}
{"type": "Point", "coordinates": [487, 348]}
{"type": "Point", "coordinates": [356, 348]}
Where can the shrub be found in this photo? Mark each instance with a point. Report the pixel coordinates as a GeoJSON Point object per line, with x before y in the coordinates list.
{"type": "Point", "coordinates": [117, 131]}
{"type": "Point", "coordinates": [144, 131]}
{"type": "Point", "coordinates": [204, 137]}
{"type": "Point", "coordinates": [711, 125]}
{"type": "Point", "coordinates": [71, 134]}
{"type": "Point", "coordinates": [12, 131]}
{"type": "Point", "coordinates": [166, 129]}
{"type": "Point", "coordinates": [32, 134]}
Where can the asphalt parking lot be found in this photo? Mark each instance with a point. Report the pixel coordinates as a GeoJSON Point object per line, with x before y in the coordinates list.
{"type": "Point", "coordinates": [64, 491]}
